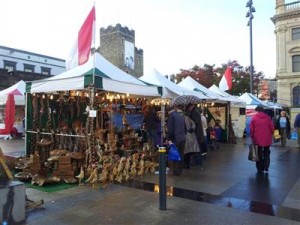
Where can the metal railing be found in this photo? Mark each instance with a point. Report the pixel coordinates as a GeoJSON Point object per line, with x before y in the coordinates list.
{"type": "Point", "coordinates": [292, 6]}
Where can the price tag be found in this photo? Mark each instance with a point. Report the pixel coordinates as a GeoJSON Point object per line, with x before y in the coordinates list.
{"type": "Point", "coordinates": [92, 113]}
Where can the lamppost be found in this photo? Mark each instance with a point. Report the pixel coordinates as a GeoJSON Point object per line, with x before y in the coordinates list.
{"type": "Point", "coordinates": [250, 15]}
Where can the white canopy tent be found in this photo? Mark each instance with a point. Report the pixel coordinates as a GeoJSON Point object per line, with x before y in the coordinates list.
{"type": "Point", "coordinates": [252, 101]}
{"type": "Point", "coordinates": [106, 77]}
{"type": "Point", "coordinates": [18, 90]}
{"type": "Point", "coordinates": [193, 85]}
{"type": "Point", "coordinates": [234, 100]}
{"type": "Point", "coordinates": [170, 89]}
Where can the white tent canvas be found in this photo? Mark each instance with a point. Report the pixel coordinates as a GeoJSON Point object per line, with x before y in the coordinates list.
{"type": "Point", "coordinates": [191, 84]}
{"type": "Point", "coordinates": [18, 90]}
{"type": "Point", "coordinates": [252, 101]}
{"type": "Point", "coordinates": [234, 100]}
{"type": "Point", "coordinates": [107, 77]}
{"type": "Point", "coordinates": [170, 89]}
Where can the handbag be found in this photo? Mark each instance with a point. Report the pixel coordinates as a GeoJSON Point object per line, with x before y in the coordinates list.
{"type": "Point", "coordinates": [173, 153]}
{"type": "Point", "coordinates": [276, 136]}
{"type": "Point", "coordinates": [253, 154]}
{"type": "Point", "coordinates": [294, 135]}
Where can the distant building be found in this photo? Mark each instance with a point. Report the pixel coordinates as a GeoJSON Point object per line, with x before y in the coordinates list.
{"type": "Point", "coordinates": [117, 45]}
{"type": "Point", "coordinates": [16, 65]}
{"type": "Point", "coordinates": [287, 31]}
{"type": "Point", "coordinates": [267, 89]}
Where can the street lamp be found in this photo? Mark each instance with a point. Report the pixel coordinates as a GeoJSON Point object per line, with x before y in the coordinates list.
{"type": "Point", "coordinates": [250, 15]}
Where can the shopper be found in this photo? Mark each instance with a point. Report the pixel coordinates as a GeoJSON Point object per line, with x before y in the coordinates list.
{"type": "Point", "coordinates": [191, 143]}
{"type": "Point", "coordinates": [194, 113]}
{"type": "Point", "coordinates": [177, 135]}
{"type": "Point", "coordinates": [261, 131]}
{"type": "Point", "coordinates": [297, 127]}
{"type": "Point", "coordinates": [284, 127]}
{"type": "Point", "coordinates": [151, 121]}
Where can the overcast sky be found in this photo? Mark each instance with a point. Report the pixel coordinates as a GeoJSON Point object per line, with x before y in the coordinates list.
{"type": "Point", "coordinates": [174, 34]}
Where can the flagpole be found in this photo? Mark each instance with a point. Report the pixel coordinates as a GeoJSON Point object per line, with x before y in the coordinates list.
{"type": "Point", "coordinates": [94, 45]}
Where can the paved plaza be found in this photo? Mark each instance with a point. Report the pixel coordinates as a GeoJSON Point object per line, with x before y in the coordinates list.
{"type": "Point", "coordinates": [227, 191]}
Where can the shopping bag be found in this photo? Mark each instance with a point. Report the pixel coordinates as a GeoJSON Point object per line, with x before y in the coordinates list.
{"type": "Point", "coordinates": [253, 154]}
{"type": "Point", "coordinates": [276, 136]}
{"type": "Point", "coordinates": [294, 135]}
{"type": "Point", "coordinates": [173, 153]}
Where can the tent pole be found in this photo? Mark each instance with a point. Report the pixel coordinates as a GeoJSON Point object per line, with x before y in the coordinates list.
{"type": "Point", "coordinates": [26, 116]}
{"type": "Point", "coordinates": [228, 121]}
{"type": "Point", "coordinates": [162, 123]}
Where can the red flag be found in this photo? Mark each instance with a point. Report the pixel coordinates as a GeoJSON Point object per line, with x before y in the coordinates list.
{"type": "Point", "coordinates": [82, 47]}
{"type": "Point", "coordinates": [226, 81]}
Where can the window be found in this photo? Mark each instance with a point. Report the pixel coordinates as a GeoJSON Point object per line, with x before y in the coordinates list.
{"type": "Point", "coordinates": [28, 68]}
{"type": "Point", "coordinates": [296, 33]}
{"type": "Point", "coordinates": [296, 96]}
{"type": "Point", "coordinates": [296, 63]}
{"type": "Point", "coordinates": [45, 71]}
{"type": "Point", "coordinates": [242, 111]}
{"type": "Point", "coordinates": [10, 66]}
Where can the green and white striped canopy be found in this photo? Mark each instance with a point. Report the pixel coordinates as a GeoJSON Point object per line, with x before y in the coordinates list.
{"type": "Point", "coordinates": [107, 77]}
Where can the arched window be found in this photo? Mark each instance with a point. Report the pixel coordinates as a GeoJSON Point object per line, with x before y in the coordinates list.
{"type": "Point", "coordinates": [296, 96]}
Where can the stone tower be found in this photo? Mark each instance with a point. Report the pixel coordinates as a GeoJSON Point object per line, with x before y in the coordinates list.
{"type": "Point", "coordinates": [117, 45]}
{"type": "Point", "coordinates": [287, 32]}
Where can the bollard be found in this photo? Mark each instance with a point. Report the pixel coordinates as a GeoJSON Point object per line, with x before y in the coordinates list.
{"type": "Point", "coordinates": [162, 179]}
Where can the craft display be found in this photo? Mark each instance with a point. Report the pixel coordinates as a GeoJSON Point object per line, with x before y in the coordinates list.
{"type": "Point", "coordinates": [72, 138]}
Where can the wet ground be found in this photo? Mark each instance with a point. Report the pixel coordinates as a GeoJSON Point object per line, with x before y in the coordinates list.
{"type": "Point", "coordinates": [227, 191]}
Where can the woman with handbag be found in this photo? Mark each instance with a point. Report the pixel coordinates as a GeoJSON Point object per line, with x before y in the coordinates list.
{"type": "Point", "coordinates": [284, 127]}
{"type": "Point", "coordinates": [261, 131]}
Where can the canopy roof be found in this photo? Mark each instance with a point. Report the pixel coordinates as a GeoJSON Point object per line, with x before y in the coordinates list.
{"type": "Point", "coordinates": [170, 89]}
{"type": "Point", "coordinates": [191, 84]}
{"type": "Point", "coordinates": [108, 77]}
{"type": "Point", "coordinates": [252, 101]}
{"type": "Point", "coordinates": [18, 90]}
{"type": "Point", "coordinates": [234, 100]}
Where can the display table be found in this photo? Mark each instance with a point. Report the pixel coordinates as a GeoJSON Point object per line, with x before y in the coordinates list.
{"type": "Point", "coordinates": [12, 202]}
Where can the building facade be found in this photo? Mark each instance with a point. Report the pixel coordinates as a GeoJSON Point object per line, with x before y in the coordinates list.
{"type": "Point", "coordinates": [117, 45]}
{"type": "Point", "coordinates": [16, 65]}
{"type": "Point", "coordinates": [287, 32]}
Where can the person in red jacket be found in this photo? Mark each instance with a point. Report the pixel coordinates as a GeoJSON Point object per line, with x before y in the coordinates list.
{"type": "Point", "coordinates": [261, 131]}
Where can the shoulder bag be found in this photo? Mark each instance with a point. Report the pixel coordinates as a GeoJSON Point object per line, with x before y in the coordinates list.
{"type": "Point", "coordinates": [253, 154]}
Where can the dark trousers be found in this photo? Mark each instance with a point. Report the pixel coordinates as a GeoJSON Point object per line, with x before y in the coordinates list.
{"type": "Point", "coordinates": [177, 166]}
{"type": "Point", "coordinates": [264, 158]}
{"type": "Point", "coordinates": [187, 160]}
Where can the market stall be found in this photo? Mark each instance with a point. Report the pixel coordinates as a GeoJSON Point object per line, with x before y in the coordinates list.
{"type": "Point", "coordinates": [237, 111]}
{"type": "Point", "coordinates": [73, 124]}
{"type": "Point", "coordinates": [12, 110]}
{"type": "Point", "coordinates": [251, 103]}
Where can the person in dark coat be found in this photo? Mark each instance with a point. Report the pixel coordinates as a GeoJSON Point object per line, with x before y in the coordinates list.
{"type": "Point", "coordinates": [193, 112]}
{"type": "Point", "coordinates": [284, 127]}
{"type": "Point", "coordinates": [177, 135]}
{"type": "Point", "coordinates": [151, 121]}
{"type": "Point", "coordinates": [261, 131]}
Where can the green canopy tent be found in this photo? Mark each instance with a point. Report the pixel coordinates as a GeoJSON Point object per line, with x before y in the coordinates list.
{"type": "Point", "coordinates": [96, 74]}
{"type": "Point", "coordinates": [99, 73]}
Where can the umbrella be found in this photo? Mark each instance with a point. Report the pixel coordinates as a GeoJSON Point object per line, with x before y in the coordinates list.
{"type": "Point", "coordinates": [185, 100]}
